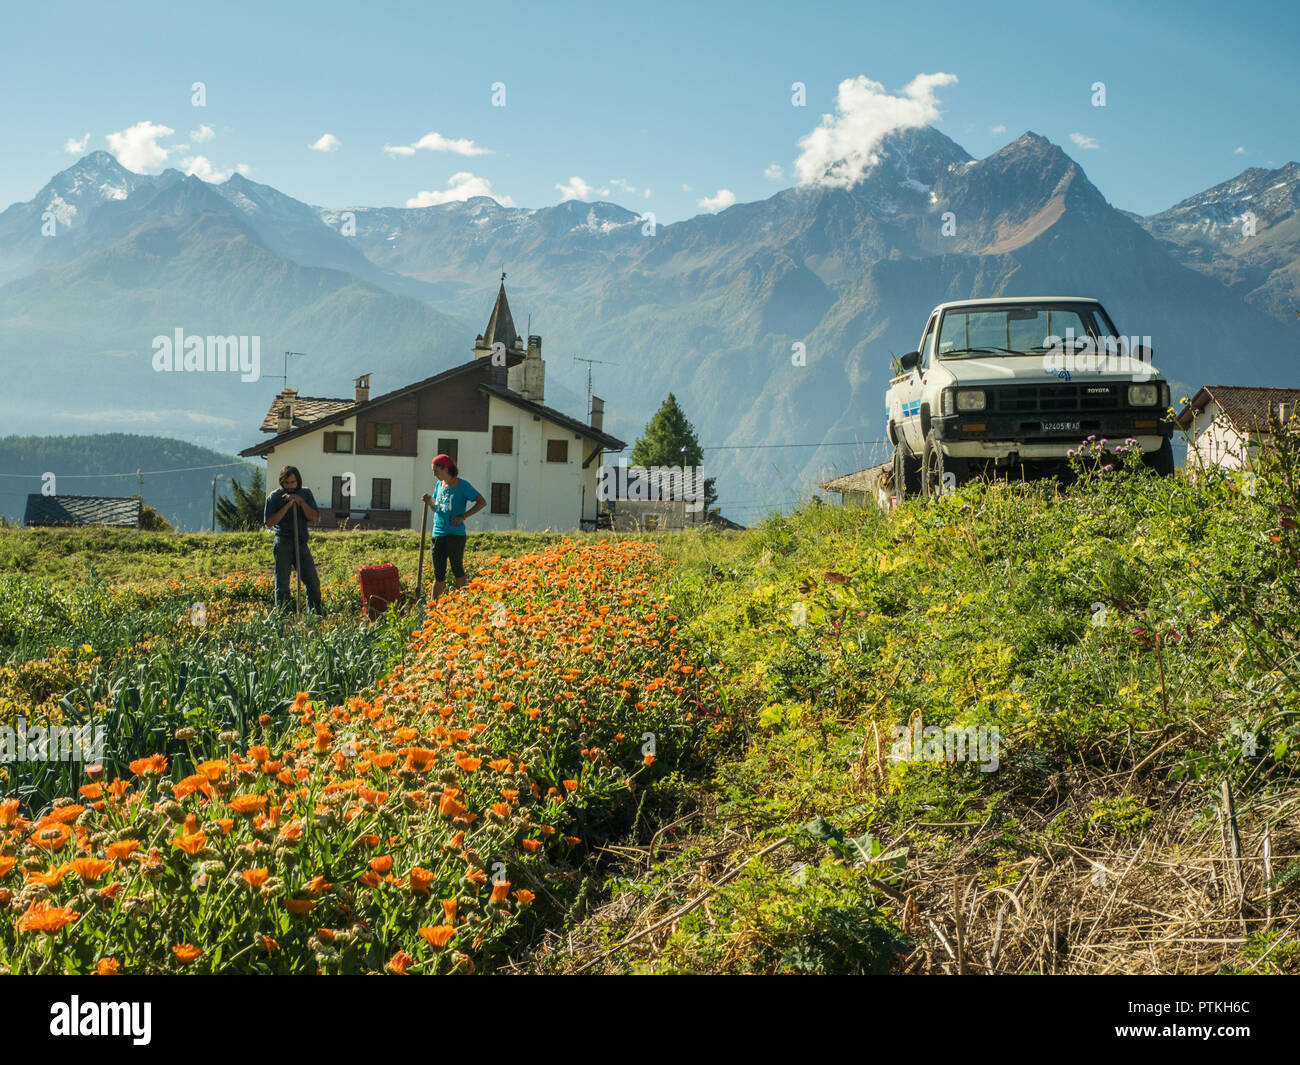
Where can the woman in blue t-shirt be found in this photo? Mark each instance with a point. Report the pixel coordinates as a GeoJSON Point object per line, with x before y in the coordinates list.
{"type": "Point", "coordinates": [448, 500]}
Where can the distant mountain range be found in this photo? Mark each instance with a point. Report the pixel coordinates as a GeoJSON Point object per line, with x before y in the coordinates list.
{"type": "Point", "coordinates": [709, 308]}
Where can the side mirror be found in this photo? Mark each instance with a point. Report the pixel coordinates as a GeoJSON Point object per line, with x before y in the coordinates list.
{"type": "Point", "coordinates": [910, 361]}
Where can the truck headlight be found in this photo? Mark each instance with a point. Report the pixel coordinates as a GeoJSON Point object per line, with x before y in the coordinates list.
{"type": "Point", "coordinates": [1143, 395]}
{"type": "Point", "coordinates": [971, 399]}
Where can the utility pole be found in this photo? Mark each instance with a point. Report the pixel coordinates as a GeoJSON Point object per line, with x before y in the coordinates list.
{"type": "Point", "coordinates": [215, 478]}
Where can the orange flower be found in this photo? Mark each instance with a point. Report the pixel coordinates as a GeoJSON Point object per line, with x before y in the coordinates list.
{"type": "Point", "coordinates": [449, 807]}
{"type": "Point", "coordinates": [500, 808]}
{"type": "Point", "coordinates": [259, 754]}
{"type": "Point", "coordinates": [6, 863]}
{"type": "Point", "coordinates": [318, 884]}
{"type": "Point", "coordinates": [449, 908]}
{"type": "Point", "coordinates": [186, 953]}
{"type": "Point", "coordinates": [90, 868]}
{"type": "Point", "coordinates": [570, 785]}
{"type": "Point", "coordinates": [214, 769]}
{"type": "Point", "coordinates": [500, 889]}
{"type": "Point", "coordinates": [64, 815]}
{"type": "Point", "coordinates": [269, 945]}
{"type": "Point", "coordinates": [301, 700]}
{"type": "Point", "coordinates": [438, 936]}
{"type": "Point", "coordinates": [107, 967]}
{"type": "Point", "coordinates": [369, 879]}
{"type": "Point", "coordinates": [49, 878]}
{"type": "Point", "coordinates": [191, 844]}
{"type": "Point", "coordinates": [299, 907]}
{"type": "Point", "coordinates": [189, 785]}
{"type": "Point", "coordinates": [247, 804]}
{"type": "Point", "coordinates": [155, 765]}
{"type": "Point", "coordinates": [524, 896]}
{"type": "Point", "coordinates": [121, 849]}
{"type": "Point", "coordinates": [530, 845]}
{"type": "Point", "coordinates": [8, 811]}
{"type": "Point", "coordinates": [467, 763]}
{"type": "Point", "coordinates": [91, 791]}
{"type": "Point", "coordinates": [400, 962]}
{"type": "Point", "coordinates": [42, 916]}
{"type": "Point", "coordinates": [420, 880]}
{"type": "Point", "coordinates": [255, 877]}
{"type": "Point", "coordinates": [382, 864]}
{"type": "Point", "coordinates": [499, 764]}
{"type": "Point", "coordinates": [52, 837]}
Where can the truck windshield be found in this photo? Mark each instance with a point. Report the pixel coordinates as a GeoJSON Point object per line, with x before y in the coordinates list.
{"type": "Point", "coordinates": [1017, 329]}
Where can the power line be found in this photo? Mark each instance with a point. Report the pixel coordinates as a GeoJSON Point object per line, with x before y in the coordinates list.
{"type": "Point", "coordinates": [746, 447]}
{"type": "Point", "coordinates": [133, 473]}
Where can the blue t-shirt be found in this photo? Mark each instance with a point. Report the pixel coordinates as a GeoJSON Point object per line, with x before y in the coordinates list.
{"type": "Point", "coordinates": [450, 503]}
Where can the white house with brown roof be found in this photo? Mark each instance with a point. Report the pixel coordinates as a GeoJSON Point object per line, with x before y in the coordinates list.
{"type": "Point", "coordinates": [536, 467]}
{"type": "Point", "coordinates": [1227, 424]}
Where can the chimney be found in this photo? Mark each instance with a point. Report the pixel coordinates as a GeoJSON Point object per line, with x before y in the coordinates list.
{"type": "Point", "coordinates": [284, 417]}
{"type": "Point", "coordinates": [528, 378]}
{"type": "Point", "coordinates": [597, 413]}
{"type": "Point", "coordinates": [363, 387]}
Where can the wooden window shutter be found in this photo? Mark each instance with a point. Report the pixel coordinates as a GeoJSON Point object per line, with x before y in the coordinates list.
{"type": "Point", "coordinates": [397, 436]}
{"type": "Point", "coordinates": [370, 434]}
{"type": "Point", "coordinates": [331, 442]}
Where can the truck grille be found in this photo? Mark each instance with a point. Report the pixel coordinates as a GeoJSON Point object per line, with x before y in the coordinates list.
{"type": "Point", "coordinates": [1055, 398]}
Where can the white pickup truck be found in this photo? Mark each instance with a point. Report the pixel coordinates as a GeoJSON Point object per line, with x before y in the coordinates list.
{"type": "Point", "coordinates": [1015, 384]}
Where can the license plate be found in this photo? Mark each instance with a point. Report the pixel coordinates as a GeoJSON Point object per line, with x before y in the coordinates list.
{"type": "Point", "coordinates": [1060, 427]}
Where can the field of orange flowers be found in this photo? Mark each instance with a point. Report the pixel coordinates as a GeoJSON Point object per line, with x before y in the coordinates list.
{"type": "Point", "coordinates": [429, 826]}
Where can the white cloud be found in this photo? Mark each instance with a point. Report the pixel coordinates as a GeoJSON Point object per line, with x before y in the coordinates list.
{"type": "Point", "coordinates": [1084, 141]}
{"type": "Point", "coordinates": [999, 128]}
{"type": "Point", "coordinates": [839, 152]}
{"type": "Point", "coordinates": [244, 168]}
{"type": "Point", "coordinates": [577, 189]}
{"type": "Point", "coordinates": [687, 188]}
{"type": "Point", "coordinates": [620, 183]}
{"type": "Point", "coordinates": [137, 148]}
{"type": "Point", "coordinates": [647, 194]}
{"type": "Point", "coordinates": [775, 172]}
{"type": "Point", "coordinates": [436, 142]}
{"type": "Point", "coordinates": [327, 142]}
{"type": "Point", "coordinates": [461, 186]}
{"type": "Point", "coordinates": [76, 147]}
{"type": "Point", "coordinates": [1235, 151]}
{"type": "Point", "coordinates": [722, 198]}
{"type": "Point", "coordinates": [201, 167]}
{"type": "Point", "coordinates": [203, 134]}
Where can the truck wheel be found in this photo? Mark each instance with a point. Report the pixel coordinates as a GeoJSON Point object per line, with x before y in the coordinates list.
{"type": "Point", "coordinates": [907, 473]}
{"type": "Point", "coordinates": [940, 473]}
{"type": "Point", "coordinates": [1161, 461]}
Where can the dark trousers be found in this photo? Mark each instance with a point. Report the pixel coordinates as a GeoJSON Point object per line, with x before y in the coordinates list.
{"type": "Point", "coordinates": [284, 563]}
{"type": "Point", "coordinates": [448, 549]}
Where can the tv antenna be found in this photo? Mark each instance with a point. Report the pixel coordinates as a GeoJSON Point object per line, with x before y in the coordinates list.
{"type": "Point", "coordinates": [603, 362]}
{"type": "Point", "coordinates": [285, 376]}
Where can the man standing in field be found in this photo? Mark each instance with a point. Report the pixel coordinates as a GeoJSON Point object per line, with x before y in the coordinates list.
{"type": "Point", "coordinates": [293, 497]}
{"type": "Point", "coordinates": [448, 500]}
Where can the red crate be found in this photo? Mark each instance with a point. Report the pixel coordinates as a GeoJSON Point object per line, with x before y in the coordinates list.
{"type": "Point", "coordinates": [380, 588]}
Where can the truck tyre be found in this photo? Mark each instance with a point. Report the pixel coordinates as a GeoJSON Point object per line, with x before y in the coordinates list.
{"type": "Point", "coordinates": [936, 465]}
{"type": "Point", "coordinates": [907, 472]}
{"type": "Point", "coordinates": [1161, 461]}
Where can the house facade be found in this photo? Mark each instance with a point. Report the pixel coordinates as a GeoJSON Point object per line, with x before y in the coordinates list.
{"type": "Point", "coordinates": [367, 460]}
{"type": "Point", "coordinates": [1227, 424]}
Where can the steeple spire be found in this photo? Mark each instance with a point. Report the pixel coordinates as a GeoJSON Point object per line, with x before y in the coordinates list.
{"type": "Point", "coordinates": [501, 326]}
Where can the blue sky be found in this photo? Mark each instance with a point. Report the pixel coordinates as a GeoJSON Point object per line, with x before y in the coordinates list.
{"type": "Point", "coordinates": [655, 96]}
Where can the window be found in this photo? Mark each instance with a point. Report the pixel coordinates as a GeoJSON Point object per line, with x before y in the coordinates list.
{"type": "Point", "coordinates": [927, 345]}
{"type": "Point", "coordinates": [449, 446]}
{"type": "Point", "coordinates": [503, 440]}
{"type": "Point", "coordinates": [384, 436]}
{"type": "Point", "coordinates": [338, 443]}
{"type": "Point", "coordinates": [381, 491]}
{"type": "Point", "coordinates": [500, 498]}
{"type": "Point", "coordinates": [557, 451]}
{"type": "Point", "coordinates": [339, 499]}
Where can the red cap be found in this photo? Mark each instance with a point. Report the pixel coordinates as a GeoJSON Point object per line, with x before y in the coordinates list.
{"type": "Point", "coordinates": [443, 460]}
